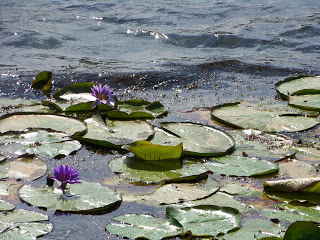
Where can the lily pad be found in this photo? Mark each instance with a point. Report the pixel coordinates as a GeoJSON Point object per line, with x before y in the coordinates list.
{"type": "Point", "coordinates": [307, 154]}
{"type": "Point", "coordinates": [197, 140]}
{"type": "Point", "coordinates": [44, 144]}
{"type": "Point", "coordinates": [177, 192]}
{"type": "Point", "coordinates": [43, 81]}
{"type": "Point", "coordinates": [137, 108]}
{"type": "Point", "coordinates": [294, 84]}
{"type": "Point", "coordinates": [115, 134]}
{"type": "Point", "coordinates": [21, 122]}
{"type": "Point", "coordinates": [206, 220]}
{"type": "Point", "coordinates": [289, 216]}
{"type": "Point", "coordinates": [5, 206]}
{"type": "Point", "coordinates": [157, 171]}
{"type": "Point", "coordinates": [306, 101]}
{"type": "Point", "coordinates": [154, 152]}
{"type": "Point", "coordinates": [26, 168]}
{"type": "Point", "coordinates": [220, 199]}
{"type": "Point", "coordinates": [268, 118]}
{"type": "Point", "coordinates": [241, 166]}
{"type": "Point", "coordinates": [24, 224]}
{"type": "Point", "coordinates": [253, 227]}
{"type": "Point", "coordinates": [302, 231]}
{"type": "Point", "coordinates": [135, 226]}
{"type": "Point", "coordinates": [297, 169]}
{"type": "Point", "coordinates": [84, 197]}
{"type": "Point", "coordinates": [8, 190]}
{"type": "Point", "coordinates": [254, 143]}
{"type": "Point", "coordinates": [77, 92]}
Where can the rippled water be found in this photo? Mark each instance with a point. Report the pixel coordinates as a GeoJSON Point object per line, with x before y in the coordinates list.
{"type": "Point", "coordinates": [187, 54]}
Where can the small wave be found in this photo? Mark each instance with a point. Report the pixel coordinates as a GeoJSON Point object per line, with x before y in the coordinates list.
{"type": "Point", "coordinates": [302, 33]}
{"type": "Point", "coordinates": [35, 40]}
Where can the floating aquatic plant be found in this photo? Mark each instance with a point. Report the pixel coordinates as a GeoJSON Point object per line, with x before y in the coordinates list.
{"type": "Point", "coordinates": [103, 95]}
{"type": "Point", "coordinates": [65, 175]}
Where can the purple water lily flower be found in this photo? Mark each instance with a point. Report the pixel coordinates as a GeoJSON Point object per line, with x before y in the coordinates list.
{"type": "Point", "coordinates": [103, 95]}
{"type": "Point", "coordinates": [66, 175]}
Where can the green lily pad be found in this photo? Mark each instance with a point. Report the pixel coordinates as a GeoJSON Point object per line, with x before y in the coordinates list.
{"type": "Point", "coordinates": [241, 166]}
{"type": "Point", "coordinates": [24, 224]}
{"type": "Point", "coordinates": [21, 122]}
{"type": "Point", "coordinates": [43, 81]}
{"type": "Point", "coordinates": [154, 152]}
{"type": "Point", "coordinates": [135, 226]}
{"type": "Point", "coordinates": [206, 220]}
{"type": "Point", "coordinates": [177, 192]}
{"type": "Point", "coordinates": [310, 213]}
{"type": "Point", "coordinates": [289, 216]}
{"type": "Point", "coordinates": [157, 171]}
{"type": "Point", "coordinates": [294, 84]}
{"type": "Point", "coordinates": [220, 199]}
{"type": "Point", "coordinates": [44, 144]}
{"type": "Point", "coordinates": [302, 230]}
{"type": "Point", "coordinates": [306, 101]}
{"type": "Point", "coordinates": [197, 140]}
{"type": "Point", "coordinates": [268, 118]}
{"type": "Point", "coordinates": [8, 190]}
{"type": "Point", "coordinates": [26, 168]}
{"type": "Point", "coordinates": [307, 154]}
{"type": "Point", "coordinates": [254, 143]}
{"type": "Point", "coordinates": [115, 134]}
{"type": "Point", "coordinates": [77, 92]}
{"type": "Point", "coordinates": [137, 108]}
{"type": "Point", "coordinates": [255, 227]}
{"type": "Point", "coordinates": [84, 197]}
{"type": "Point", "coordinates": [5, 206]}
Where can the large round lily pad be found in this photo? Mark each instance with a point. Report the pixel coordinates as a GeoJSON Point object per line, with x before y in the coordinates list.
{"type": "Point", "coordinates": [23, 224]}
{"type": "Point", "coordinates": [294, 84]}
{"type": "Point", "coordinates": [306, 101]}
{"type": "Point", "coordinates": [84, 197]}
{"type": "Point", "coordinates": [251, 228]}
{"type": "Point", "coordinates": [268, 118]}
{"type": "Point", "coordinates": [241, 166]}
{"type": "Point", "coordinates": [115, 134]}
{"type": "Point", "coordinates": [254, 143]}
{"type": "Point", "coordinates": [21, 122]}
{"type": "Point", "coordinates": [157, 171]}
{"type": "Point", "coordinates": [177, 192]}
{"type": "Point", "coordinates": [25, 168]}
{"type": "Point", "coordinates": [44, 144]}
{"type": "Point", "coordinates": [197, 140]}
{"type": "Point", "coordinates": [206, 220]}
{"type": "Point", "coordinates": [136, 226]}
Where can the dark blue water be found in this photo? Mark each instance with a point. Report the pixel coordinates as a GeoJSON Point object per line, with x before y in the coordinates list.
{"type": "Point", "coordinates": [187, 54]}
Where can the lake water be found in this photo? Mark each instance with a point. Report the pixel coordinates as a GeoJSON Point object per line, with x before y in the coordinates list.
{"type": "Point", "coordinates": [187, 54]}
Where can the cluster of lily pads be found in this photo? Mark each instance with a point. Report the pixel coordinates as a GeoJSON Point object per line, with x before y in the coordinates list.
{"type": "Point", "coordinates": [184, 159]}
